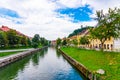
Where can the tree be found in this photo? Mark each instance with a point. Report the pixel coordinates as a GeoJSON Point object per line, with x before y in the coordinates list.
{"type": "Point", "coordinates": [64, 42]}
{"type": "Point", "coordinates": [75, 42]}
{"type": "Point", "coordinates": [84, 40]}
{"type": "Point", "coordinates": [24, 41]}
{"type": "Point", "coordinates": [58, 42]}
{"type": "Point", "coordinates": [29, 42]}
{"type": "Point", "coordinates": [3, 39]}
{"type": "Point", "coordinates": [36, 41]}
{"type": "Point", "coordinates": [108, 25]}
{"type": "Point", "coordinates": [12, 38]}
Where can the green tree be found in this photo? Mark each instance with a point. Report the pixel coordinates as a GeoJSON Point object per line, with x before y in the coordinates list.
{"type": "Point", "coordinates": [84, 40]}
{"type": "Point", "coordinates": [12, 38]}
{"type": "Point", "coordinates": [75, 42]}
{"type": "Point", "coordinates": [24, 41]}
{"type": "Point", "coordinates": [36, 41]}
{"type": "Point", "coordinates": [64, 42]}
{"type": "Point", "coordinates": [29, 42]}
{"type": "Point", "coordinates": [58, 42]}
{"type": "Point", "coordinates": [108, 25]}
{"type": "Point", "coordinates": [3, 39]}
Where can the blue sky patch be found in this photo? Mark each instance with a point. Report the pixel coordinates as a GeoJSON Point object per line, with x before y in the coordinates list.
{"type": "Point", "coordinates": [8, 12]}
{"type": "Point", "coordinates": [78, 14]}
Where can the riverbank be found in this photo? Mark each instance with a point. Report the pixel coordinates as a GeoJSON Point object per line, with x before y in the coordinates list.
{"type": "Point", "coordinates": [4, 54]}
{"type": "Point", "coordinates": [12, 58]}
{"type": "Point", "coordinates": [94, 60]}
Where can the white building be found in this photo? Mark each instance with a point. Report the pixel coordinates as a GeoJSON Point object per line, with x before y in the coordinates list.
{"type": "Point", "coordinates": [117, 44]}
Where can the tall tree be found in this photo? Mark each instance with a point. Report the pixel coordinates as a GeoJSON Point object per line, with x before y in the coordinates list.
{"type": "Point", "coordinates": [36, 41]}
{"type": "Point", "coordinates": [58, 42]}
{"type": "Point", "coordinates": [29, 42]}
{"type": "Point", "coordinates": [108, 25]}
{"type": "Point", "coordinates": [3, 39]}
{"type": "Point", "coordinates": [24, 41]}
{"type": "Point", "coordinates": [84, 40]}
{"type": "Point", "coordinates": [64, 42]}
{"type": "Point", "coordinates": [12, 38]}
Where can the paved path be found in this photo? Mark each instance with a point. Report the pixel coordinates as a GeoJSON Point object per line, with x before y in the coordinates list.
{"type": "Point", "coordinates": [14, 50]}
{"type": "Point", "coordinates": [19, 53]}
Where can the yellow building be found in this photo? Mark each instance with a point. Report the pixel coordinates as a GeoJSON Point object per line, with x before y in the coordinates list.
{"type": "Point", "coordinates": [110, 44]}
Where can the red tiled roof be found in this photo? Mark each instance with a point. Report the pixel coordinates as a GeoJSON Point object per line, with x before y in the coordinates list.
{"type": "Point", "coordinates": [5, 28]}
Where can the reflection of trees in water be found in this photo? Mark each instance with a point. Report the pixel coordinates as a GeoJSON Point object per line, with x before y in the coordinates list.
{"type": "Point", "coordinates": [9, 72]}
{"type": "Point", "coordinates": [45, 50]}
{"type": "Point", "coordinates": [58, 53]}
{"type": "Point", "coordinates": [39, 55]}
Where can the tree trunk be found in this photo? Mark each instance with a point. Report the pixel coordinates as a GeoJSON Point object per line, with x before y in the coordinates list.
{"type": "Point", "coordinates": [102, 46]}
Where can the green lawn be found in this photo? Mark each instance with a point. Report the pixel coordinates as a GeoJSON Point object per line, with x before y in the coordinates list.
{"type": "Point", "coordinates": [3, 54]}
{"type": "Point", "coordinates": [94, 60]}
{"type": "Point", "coordinates": [12, 48]}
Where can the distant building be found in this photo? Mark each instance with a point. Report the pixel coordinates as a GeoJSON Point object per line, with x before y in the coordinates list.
{"type": "Point", "coordinates": [110, 44]}
{"type": "Point", "coordinates": [53, 43]}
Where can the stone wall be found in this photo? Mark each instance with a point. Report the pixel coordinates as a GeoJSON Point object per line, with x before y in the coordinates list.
{"type": "Point", "coordinates": [16, 57]}
{"type": "Point", "coordinates": [88, 74]}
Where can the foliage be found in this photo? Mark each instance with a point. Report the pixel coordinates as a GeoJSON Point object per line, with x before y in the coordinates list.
{"type": "Point", "coordinates": [24, 41]}
{"type": "Point", "coordinates": [108, 25]}
{"type": "Point", "coordinates": [84, 40]}
{"type": "Point", "coordinates": [43, 41]}
{"type": "Point", "coordinates": [39, 41]}
{"type": "Point", "coordinates": [3, 39]}
{"type": "Point", "coordinates": [12, 38]}
{"type": "Point", "coordinates": [36, 41]}
{"type": "Point", "coordinates": [29, 42]}
{"type": "Point", "coordinates": [77, 31]}
{"type": "Point", "coordinates": [58, 42]}
{"type": "Point", "coordinates": [64, 42]}
{"type": "Point", "coordinates": [75, 42]}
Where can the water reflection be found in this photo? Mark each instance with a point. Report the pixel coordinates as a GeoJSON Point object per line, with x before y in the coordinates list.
{"type": "Point", "coordinates": [47, 64]}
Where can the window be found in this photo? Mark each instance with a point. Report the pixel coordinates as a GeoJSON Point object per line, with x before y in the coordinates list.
{"type": "Point", "coordinates": [111, 46]}
{"type": "Point", "coordinates": [107, 46]}
{"type": "Point", "coordinates": [104, 46]}
{"type": "Point", "coordinates": [99, 45]}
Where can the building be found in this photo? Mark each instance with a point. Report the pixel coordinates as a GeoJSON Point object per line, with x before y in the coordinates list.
{"type": "Point", "coordinates": [6, 28]}
{"type": "Point", "coordinates": [110, 44]}
{"type": "Point", "coordinates": [53, 43]}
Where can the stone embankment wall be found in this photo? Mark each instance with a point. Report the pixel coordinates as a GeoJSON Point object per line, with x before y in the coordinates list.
{"type": "Point", "coordinates": [88, 74]}
{"type": "Point", "coordinates": [13, 58]}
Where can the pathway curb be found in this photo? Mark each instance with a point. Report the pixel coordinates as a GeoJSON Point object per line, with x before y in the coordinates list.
{"type": "Point", "coordinates": [19, 56]}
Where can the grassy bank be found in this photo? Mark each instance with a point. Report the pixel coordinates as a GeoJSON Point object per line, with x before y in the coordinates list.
{"type": "Point", "coordinates": [3, 54]}
{"type": "Point", "coordinates": [11, 48]}
{"type": "Point", "coordinates": [94, 60]}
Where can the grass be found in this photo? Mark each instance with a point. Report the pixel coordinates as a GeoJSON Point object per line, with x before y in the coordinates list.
{"type": "Point", "coordinates": [94, 60]}
{"type": "Point", "coordinates": [12, 48]}
{"type": "Point", "coordinates": [3, 54]}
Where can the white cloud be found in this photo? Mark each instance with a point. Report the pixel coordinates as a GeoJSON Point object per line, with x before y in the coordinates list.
{"type": "Point", "coordinates": [38, 16]}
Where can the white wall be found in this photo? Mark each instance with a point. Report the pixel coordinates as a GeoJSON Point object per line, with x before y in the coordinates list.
{"type": "Point", "coordinates": [117, 43]}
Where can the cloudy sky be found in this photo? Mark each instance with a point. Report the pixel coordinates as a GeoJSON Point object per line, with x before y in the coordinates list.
{"type": "Point", "coordinates": [51, 18]}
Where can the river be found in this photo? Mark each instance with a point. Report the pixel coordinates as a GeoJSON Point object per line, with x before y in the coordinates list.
{"type": "Point", "coordinates": [48, 64]}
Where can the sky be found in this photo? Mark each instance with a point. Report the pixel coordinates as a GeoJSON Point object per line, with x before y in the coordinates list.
{"type": "Point", "coordinates": [51, 18]}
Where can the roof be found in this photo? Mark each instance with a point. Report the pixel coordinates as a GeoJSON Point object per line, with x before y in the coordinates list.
{"type": "Point", "coordinates": [6, 28]}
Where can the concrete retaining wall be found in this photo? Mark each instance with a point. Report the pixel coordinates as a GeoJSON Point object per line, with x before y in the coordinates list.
{"type": "Point", "coordinates": [88, 74]}
{"type": "Point", "coordinates": [7, 60]}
